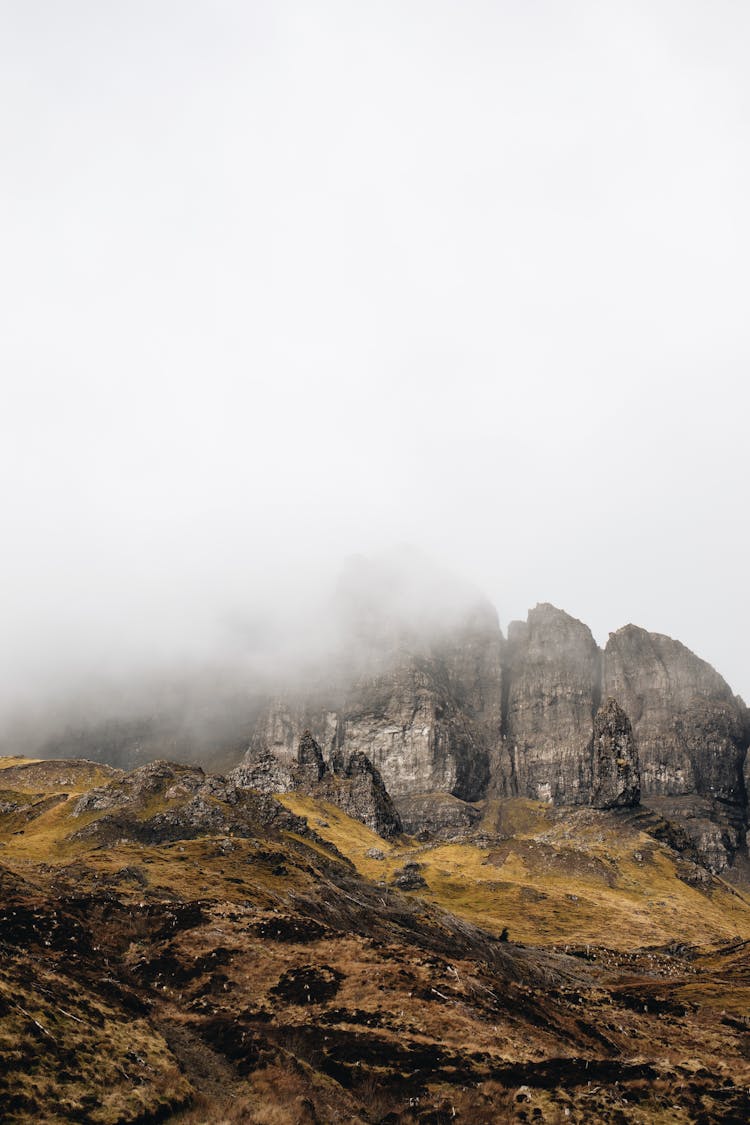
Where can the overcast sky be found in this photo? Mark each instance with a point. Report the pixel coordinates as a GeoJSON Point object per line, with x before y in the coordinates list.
{"type": "Point", "coordinates": [281, 282]}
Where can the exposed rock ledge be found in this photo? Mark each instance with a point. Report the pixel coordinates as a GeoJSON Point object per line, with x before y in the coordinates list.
{"type": "Point", "coordinates": [353, 783]}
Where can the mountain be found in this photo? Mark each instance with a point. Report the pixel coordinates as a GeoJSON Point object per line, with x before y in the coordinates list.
{"type": "Point", "coordinates": [447, 875]}
{"type": "Point", "coordinates": [420, 707]}
{"type": "Point", "coordinates": [451, 707]}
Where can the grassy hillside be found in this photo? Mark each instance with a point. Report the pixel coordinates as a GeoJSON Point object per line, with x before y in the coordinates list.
{"type": "Point", "coordinates": [173, 950]}
{"type": "Point", "coordinates": [574, 877]}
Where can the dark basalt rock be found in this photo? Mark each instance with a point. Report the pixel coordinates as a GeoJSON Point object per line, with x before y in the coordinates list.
{"type": "Point", "coordinates": [310, 765]}
{"type": "Point", "coordinates": [408, 878]}
{"type": "Point", "coordinates": [264, 773]}
{"type": "Point", "coordinates": [552, 691]}
{"type": "Point", "coordinates": [359, 790]}
{"type": "Point", "coordinates": [692, 736]}
{"type": "Point", "coordinates": [616, 774]}
{"type": "Point", "coordinates": [351, 782]}
{"type": "Point", "coordinates": [437, 814]}
{"type": "Point", "coordinates": [712, 837]}
{"type": "Point", "coordinates": [186, 803]}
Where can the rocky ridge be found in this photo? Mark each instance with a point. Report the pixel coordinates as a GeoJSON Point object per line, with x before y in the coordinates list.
{"type": "Point", "coordinates": [545, 715]}
{"type": "Point", "coordinates": [692, 735]}
{"type": "Point", "coordinates": [351, 782]}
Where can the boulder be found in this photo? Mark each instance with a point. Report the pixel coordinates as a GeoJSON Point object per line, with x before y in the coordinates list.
{"type": "Point", "coordinates": [438, 814]}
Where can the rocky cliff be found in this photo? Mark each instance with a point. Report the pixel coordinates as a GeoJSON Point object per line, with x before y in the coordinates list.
{"type": "Point", "coordinates": [690, 727]}
{"type": "Point", "coordinates": [460, 711]}
{"type": "Point", "coordinates": [552, 695]}
{"type": "Point", "coordinates": [425, 710]}
{"type": "Point", "coordinates": [415, 697]}
{"type": "Point", "coordinates": [692, 736]}
{"type": "Point", "coordinates": [350, 781]}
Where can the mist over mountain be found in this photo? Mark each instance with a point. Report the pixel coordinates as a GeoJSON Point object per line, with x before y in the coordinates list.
{"type": "Point", "coordinates": [404, 666]}
{"type": "Point", "coordinates": [274, 636]}
{"type": "Point", "coordinates": [266, 307]}
{"type": "Point", "coordinates": [374, 532]}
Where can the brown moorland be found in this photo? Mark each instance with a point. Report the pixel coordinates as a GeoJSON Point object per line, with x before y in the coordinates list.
{"type": "Point", "coordinates": [175, 949]}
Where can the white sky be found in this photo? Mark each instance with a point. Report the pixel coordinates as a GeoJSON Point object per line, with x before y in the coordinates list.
{"type": "Point", "coordinates": [285, 281]}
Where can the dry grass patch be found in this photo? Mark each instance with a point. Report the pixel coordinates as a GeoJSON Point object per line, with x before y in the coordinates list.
{"type": "Point", "coordinates": [580, 878]}
{"type": "Point", "coordinates": [66, 1055]}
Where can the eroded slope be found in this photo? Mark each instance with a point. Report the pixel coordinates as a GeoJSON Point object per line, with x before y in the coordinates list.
{"type": "Point", "coordinates": [172, 946]}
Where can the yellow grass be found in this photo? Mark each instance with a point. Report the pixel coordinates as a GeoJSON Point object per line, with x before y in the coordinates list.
{"type": "Point", "coordinates": [120, 1059]}
{"type": "Point", "coordinates": [571, 880]}
{"type": "Point", "coordinates": [583, 878]}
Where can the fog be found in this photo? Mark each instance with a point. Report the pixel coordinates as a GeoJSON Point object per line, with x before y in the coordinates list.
{"type": "Point", "coordinates": [284, 283]}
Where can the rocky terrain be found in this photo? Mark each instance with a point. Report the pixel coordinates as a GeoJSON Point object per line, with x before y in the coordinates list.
{"type": "Point", "coordinates": [551, 697]}
{"type": "Point", "coordinates": [350, 781]}
{"type": "Point", "coordinates": [415, 693]}
{"type": "Point", "coordinates": [692, 734]}
{"type": "Point", "coordinates": [180, 948]}
{"type": "Point", "coordinates": [545, 714]}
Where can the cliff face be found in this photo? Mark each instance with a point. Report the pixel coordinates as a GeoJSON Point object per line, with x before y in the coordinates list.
{"type": "Point", "coordinates": [351, 781]}
{"type": "Point", "coordinates": [616, 775]}
{"type": "Point", "coordinates": [692, 736]}
{"type": "Point", "coordinates": [426, 713]}
{"type": "Point", "coordinates": [552, 695]}
{"type": "Point", "coordinates": [459, 711]}
{"type": "Point", "coordinates": [420, 725]}
{"type": "Point", "coordinates": [689, 725]}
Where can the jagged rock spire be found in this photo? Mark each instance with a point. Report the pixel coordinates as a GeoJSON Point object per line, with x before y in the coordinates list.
{"type": "Point", "coordinates": [616, 779]}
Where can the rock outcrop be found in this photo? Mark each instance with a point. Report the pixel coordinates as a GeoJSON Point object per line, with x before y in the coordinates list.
{"type": "Point", "coordinates": [349, 781]}
{"type": "Point", "coordinates": [439, 815]}
{"type": "Point", "coordinates": [164, 801]}
{"type": "Point", "coordinates": [690, 727]}
{"type": "Point", "coordinates": [692, 736]}
{"type": "Point", "coordinates": [411, 695]}
{"type": "Point", "coordinates": [408, 878]}
{"type": "Point", "coordinates": [552, 694]}
{"type": "Point", "coordinates": [460, 714]}
{"type": "Point", "coordinates": [358, 789]}
{"type": "Point", "coordinates": [426, 710]}
{"type": "Point", "coordinates": [616, 774]}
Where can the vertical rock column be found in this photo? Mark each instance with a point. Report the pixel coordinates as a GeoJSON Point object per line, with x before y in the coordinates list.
{"type": "Point", "coordinates": [616, 781]}
{"type": "Point", "coordinates": [553, 672]}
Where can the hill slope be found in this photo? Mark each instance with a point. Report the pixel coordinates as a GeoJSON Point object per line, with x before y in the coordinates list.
{"type": "Point", "coordinates": [173, 946]}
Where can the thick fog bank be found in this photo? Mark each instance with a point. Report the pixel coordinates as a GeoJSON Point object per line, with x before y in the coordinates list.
{"type": "Point", "coordinates": [195, 695]}
{"type": "Point", "coordinates": [285, 280]}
